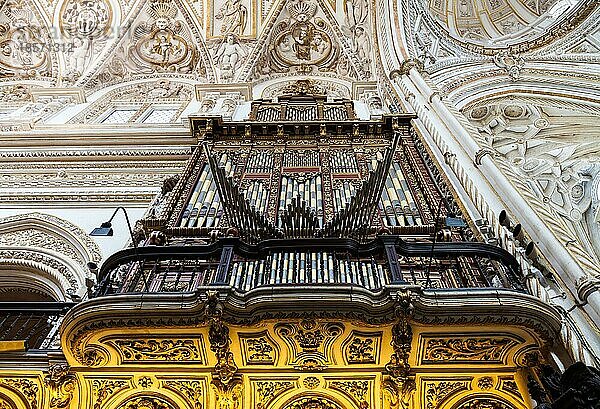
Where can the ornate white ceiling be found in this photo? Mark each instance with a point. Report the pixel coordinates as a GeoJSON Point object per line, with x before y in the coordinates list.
{"type": "Point", "coordinates": [498, 22]}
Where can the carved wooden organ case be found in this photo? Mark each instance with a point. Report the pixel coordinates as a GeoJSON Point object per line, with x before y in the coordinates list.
{"type": "Point", "coordinates": [307, 259]}
{"type": "Point", "coordinates": [304, 167]}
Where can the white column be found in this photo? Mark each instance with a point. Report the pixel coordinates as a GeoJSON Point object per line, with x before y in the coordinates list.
{"type": "Point", "coordinates": [491, 192]}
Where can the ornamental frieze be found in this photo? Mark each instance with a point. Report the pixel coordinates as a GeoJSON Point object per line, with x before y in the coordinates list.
{"type": "Point", "coordinates": [159, 349]}
{"type": "Point", "coordinates": [194, 390]}
{"type": "Point", "coordinates": [149, 402]}
{"type": "Point", "coordinates": [104, 389]}
{"type": "Point", "coordinates": [267, 391]}
{"type": "Point", "coordinates": [26, 388]}
{"type": "Point", "coordinates": [475, 349]}
{"type": "Point", "coordinates": [357, 390]}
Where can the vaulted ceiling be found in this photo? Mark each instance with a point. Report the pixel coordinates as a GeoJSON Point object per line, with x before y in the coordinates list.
{"type": "Point", "coordinates": [498, 22]}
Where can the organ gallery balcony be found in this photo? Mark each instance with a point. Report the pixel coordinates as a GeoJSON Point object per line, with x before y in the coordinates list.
{"type": "Point", "coordinates": [303, 264]}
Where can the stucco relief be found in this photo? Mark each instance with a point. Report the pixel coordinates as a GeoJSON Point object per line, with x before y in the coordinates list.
{"type": "Point", "coordinates": [58, 250]}
{"type": "Point", "coordinates": [550, 150]}
{"type": "Point", "coordinates": [24, 49]}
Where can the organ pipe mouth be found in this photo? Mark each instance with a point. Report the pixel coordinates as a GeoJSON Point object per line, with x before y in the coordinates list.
{"type": "Point", "coordinates": [531, 251]}
{"type": "Point", "coordinates": [518, 232]}
{"type": "Point", "coordinates": [504, 220]}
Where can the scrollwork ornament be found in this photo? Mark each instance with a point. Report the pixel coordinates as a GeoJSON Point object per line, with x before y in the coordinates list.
{"type": "Point", "coordinates": [26, 387]}
{"type": "Point", "coordinates": [193, 390]}
{"type": "Point", "coordinates": [94, 356]}
{"type": "Point", "coordinates": [149, 402]}
{"type": "Point", "coordinates": [61, 382]}
{"type": "Point", "coordinates": [103, 389]}
{"type": "Point", "coordinates": [159, 350]}
{"type": "Point", "coordinates": [398, 367]}
{"type": "Point", "coordinates": [218, 337]}
{"type": "Point", "coordinates": [512, 63]}
{"type": "Point", "coordinates": [436, 393]}
{"type": "Point", "coordinates": [357, 390]}
{"type": "Point", "coordinates": [228, 395]}
{"type": "Point", "coordinates": [467, 349]}
{"type": "Point", "coordinates": [399, 383]}
{"type": "Point", "coordinates": [269, 390]}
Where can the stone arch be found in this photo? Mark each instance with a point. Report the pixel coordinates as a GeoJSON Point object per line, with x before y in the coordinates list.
{"type": "Point", "coordinates": [43, 258]}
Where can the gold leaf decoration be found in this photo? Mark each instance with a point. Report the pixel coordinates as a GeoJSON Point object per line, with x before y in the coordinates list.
{"type": "Point", "coordinates": [25, 387]}
{"type": "Point", "coordinates": [361, 350]}
{"type": "Point", "coordinates": [357, 390]}
{"type": "Point", "coordinates": [269, 390]}
{"type": "Point", "coordinates": [437, 392]}
{"type": "Point", "coordinates": [103, 389]}
{"type": "Point", "coordinates": [159, 350]}
{"type": "Point", "coordinates": [193, 390]}
{"type": "Point", "coordinates": [467, 349]}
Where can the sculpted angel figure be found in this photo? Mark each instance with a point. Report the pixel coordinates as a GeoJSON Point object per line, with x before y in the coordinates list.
{"type": "Point", "coordinates": [234, 16]}
{"type": "Point", "coordinates": [228, 56]}
{"type": "Point", "coordinates": [356, 12]}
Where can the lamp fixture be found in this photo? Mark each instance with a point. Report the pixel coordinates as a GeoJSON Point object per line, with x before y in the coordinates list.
{"type": "Point", "coordinates": [106, 230]}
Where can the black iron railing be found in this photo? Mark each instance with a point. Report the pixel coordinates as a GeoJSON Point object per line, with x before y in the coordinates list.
{"type": "Point", "coordinates": [35, 323]}
{"type": "Point", "coordinates": [385, 261]}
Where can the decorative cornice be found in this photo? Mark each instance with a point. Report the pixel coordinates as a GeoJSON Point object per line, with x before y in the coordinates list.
{"type": "Point", "coordinates": [436, 307]}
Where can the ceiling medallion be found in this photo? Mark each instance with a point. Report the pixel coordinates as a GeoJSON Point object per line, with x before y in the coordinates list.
{"type": "Point", "coordinates": [302, 39]}
{"type": "Point", "coordinates": [21, 41]}
{"type": "Point", "coordinates": [163, 46]}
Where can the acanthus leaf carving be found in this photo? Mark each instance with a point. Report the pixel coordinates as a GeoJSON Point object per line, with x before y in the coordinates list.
{"type": "Point", "coordinates": [193, 390]}
{"type": "Point", "coordinates": [104, 389]}
{"type": "Point", "coordinates": [467, 349]}
{"type": "Point", "coordinates": [159, 350]}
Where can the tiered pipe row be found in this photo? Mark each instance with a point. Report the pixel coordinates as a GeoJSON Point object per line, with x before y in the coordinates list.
{"type": "Point", "coordinates": [397, 204]}
{"type": "Point", "coordinates": [301, 113]}
{"type": "Point", "coordinates": [309, 190]}
{"type": "Point", "coordinates": [251, 223]}
{"type": "Point", "coordinates": [260, 162]}
{"type": "Point", "coordinates": [257, 194]}
{"type": "Point", "coordinates": [335, 113]}
{"type": "Point", "coordinates": [204, 208]}
{"type": "Point", "coordinates": [301, 159]}
{"type": "Point", "coordinates": [355, 218]}
{"type": "Point", "coordinates": [306, 268]}
{"type": "Point", "coordinates": [343, 161]}
{"type": "Point", "coordinates": [268, 114]}
{"type": "Point", "coordinates": [343, 195]}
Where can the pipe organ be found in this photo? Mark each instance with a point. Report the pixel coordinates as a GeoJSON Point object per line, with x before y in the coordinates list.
{"type": "Point", "coordinates": [303, 260]}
